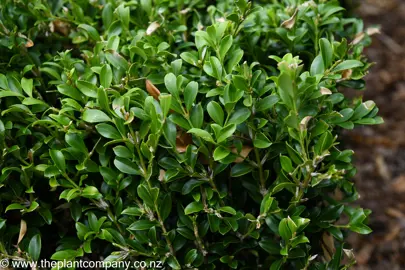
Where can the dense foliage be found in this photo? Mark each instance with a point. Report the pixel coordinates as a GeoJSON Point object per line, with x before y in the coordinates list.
{"type": "Point", "coordinates": [198, 133]}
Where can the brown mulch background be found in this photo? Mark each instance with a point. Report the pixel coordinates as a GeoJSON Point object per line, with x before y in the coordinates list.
{"type": "Point", "coordinates": [380, 150]}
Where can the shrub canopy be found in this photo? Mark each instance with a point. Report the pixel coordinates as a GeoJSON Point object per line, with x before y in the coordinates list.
{"type": "Point", "coordinates": [199, 133]}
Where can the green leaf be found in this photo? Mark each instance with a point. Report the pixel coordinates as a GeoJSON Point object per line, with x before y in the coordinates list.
{"type": "Point", "coordinates": [224, 47]}
{"type": "Point", "coordinates": [226, 132]}
{"type": "Point", "coordinates": [267, 103]}
{"type": "Point", "coordinates": [276, 265]}
{"type": "Point", "coordinates": [95, 116]}
{"type": "Point", "coordinates": [190, 94]}
{"type": "Point", "coordinates": [27, 86]}
{"type": "Point", "coordinates": [240, 169]}
{"type": "Point", "coordinates": [93, 33]}
{"type": "Point", "coordinates": [75, 140]}
{"type": "Point", "coordinates": [190, 185]}
{"type": "Point", "coordinates": [14, 206]}
{"type": "Point", "coordinates": [348, 64]}
{"type": "Point", "coordinates": [201, 134]}
{"type": "Point", "coordinates": [287, 228]}
{"type": "Point", "coordinates": [326, 51]}
{"type": "Point", "coordinates": [171, 84]}
{"type": "Point", "coordinates": [221, 153]}
{"type": "Point", "coordinates": [261, 141]}
{"type": "Point", "coordinates": [191, 256]}
{"type": "Point", "coordinates": [108, 131]}
{"type": "Point", "coordinates": [132, 211]}
{"type": "Point", "coordinates": [148, 195]}
{"type": "Point", "coordinates": [142, 225]}
{"type": "Point", "coordinates": [70, 91]}
{"type": "Point", "coordinates": [239, 116]}
{"type": "Point", "coordinates": [189, 58]}
{"type": "Point", "coordinates": [67, 254]}
{"type": "Point", "coordinates": [165, 206]}
{"type": "Point", "coordinates": [165, 103]}
{"type": "Point", "coordinates": [102, 99]}
{"type": "Point", "coordinates": [234, 59]}
{"type": "Point", "coordinates": [88, 89]}
{"type": "Point", "coordinates": [123, 15]}
{"type": "Point", "coordinates": [240, 82]}
{"type": "Point", "coordinates": [286, 164]}
{"type": "Point", "coordinates": [58, 159]}
{"type": "Point", "coordinates": [126, 166]}
{"type": "Point", "coordinates": [317, 66]}
{"type": "Point", "coordinates": [9, 94]}
{"type": "Point", "coordinates": [324, 143]}
{"type": "Point", "coordinates": [197, 116]}
{"type": "Point", "coordinates": [106, 76]}
{"type": "Point", "coordinates": [286, 90]}
{"type": "Point", "coordinates": [216, 113]}
{"type": "Point", "coordinates": [107, 14]}
{"type": "Point", "coordinates": [193, 207]}
{"type": "Point", "coordinates": [122, 151]}
{"type": "Point", "coordinates": [216, 68]}
{"type": "Point", "coordinates": [228, 209]}
{"type": "Point", "coordinates": [266, 204]}
{"type": "Point", "coordinates": [270, 246]}
{"type": "Point", "coordinates": [116, 60]}
{"type": "Point", "coordinates": [173, 263]}
{"type": "Point", "coordinates": [146, 6]}
{"type": "Point", "coordinates": [91, 193]}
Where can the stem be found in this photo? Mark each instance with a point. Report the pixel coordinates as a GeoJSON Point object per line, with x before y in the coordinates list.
{"type": "Point", "coordinates": [147, 178]}
{"type": "Point", "coordinates": [212, 182]}
{"type": "Point", "coordinates": [114, 220]}
{"type": "Point", "coordinates": [162, 225]}
{"type": "Point", "coordinates": [200, 244]}
{"type": "Point", "coordinates": [263, 190]}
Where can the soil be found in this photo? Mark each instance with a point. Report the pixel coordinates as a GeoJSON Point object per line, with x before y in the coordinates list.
{"type": "Point", "coordinates": [380, 150]}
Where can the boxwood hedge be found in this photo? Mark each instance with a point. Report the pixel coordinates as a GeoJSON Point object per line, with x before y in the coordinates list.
{"type": "Point", "coordinates": [203, 134]}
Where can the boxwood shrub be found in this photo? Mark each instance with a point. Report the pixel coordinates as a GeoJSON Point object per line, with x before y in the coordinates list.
{"type": "Point", "coordinates": [202, 134]}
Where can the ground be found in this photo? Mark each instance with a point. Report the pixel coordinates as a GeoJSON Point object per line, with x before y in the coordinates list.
{"type": "Point", "coordinates": [380, 150]}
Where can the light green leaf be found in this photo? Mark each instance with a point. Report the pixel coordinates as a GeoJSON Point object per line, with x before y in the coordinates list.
{"type": "Point", "coordinates": [171, 84]}
{"type": "Point", "coordinates": [261, 141]}
{"type": "Point", "coordinates": [116, 60]}
{"type": "Point", "coordinates": [221, 153]}
{"type": "Point", "coordinates": [70, 91]}
{"type": "Point", "coordinates": [27, 86]}
{"type": "Point", "coordinates": [216, 113]}
{"type": "Point", "coordinates": [91, 193]}
{"type": "Point", "coordinates": [193, 207]}
{"type": "Point", "coordinates": [95, 116]}
{"type": "Point", "coordinates": [88, 89]}
{"type": "Point", "coordinates": [93, 33]}
{"type": "Point", "coordinates": [106, 76]}
{"type": "Point", "coordinates": [108, 131]}
{"type": "Point", "coordinates": [286, 164]}
{"type": "Point", "coordinates": [190, 94]}
{"type": "Point", "coordinates": [267, 103]}
{"type": "Point", "coordinates": [226, 132]}
{"type": "Point", "coordinates": [348, 64]}
{"type": "Point", "coordinates": [202, 134]}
